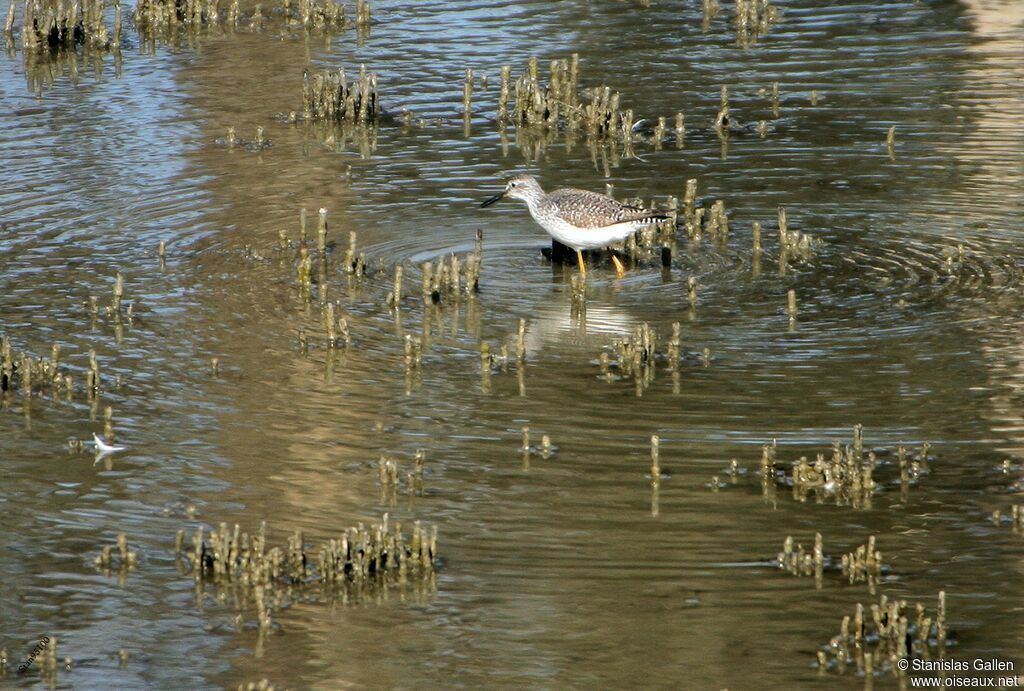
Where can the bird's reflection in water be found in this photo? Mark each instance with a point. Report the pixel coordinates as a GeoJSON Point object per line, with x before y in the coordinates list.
{"type": "Point", "coordinates": [565, 322]}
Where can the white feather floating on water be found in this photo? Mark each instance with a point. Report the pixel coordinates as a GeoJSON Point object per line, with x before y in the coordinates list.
{"type": "Point", "coordinates": [103, 448]}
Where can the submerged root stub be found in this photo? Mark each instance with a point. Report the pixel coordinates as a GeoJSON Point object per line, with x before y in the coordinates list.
{"type": "Point", "coordinates": [538, 104]}
{"type": "Point", "coordinates": [530, 103]}
{"type": "Point", "coordinates": [848, 475]}
{"type": "Point", "coordinates": [451, 277]}
{"type": "Point", "coordinates": [878, 637]}
{"type": "Point", "coordinates": [794, 245]}
{"type": "Point", "coordinates": [123, 559]}
{"type": "Point", "coordinates": [328, 95]}
{"type": "Point", "coordinates": [167, 16]}
{"type": "Point", "coordinates": [52, 24]}
{"type": "Point", "coordinates": [361, 560]}
{"type": "Point", "coordinates": [29, 374]}
{"type": "Point", "coordinates": [154, 15]}
{"type": "Point", "coordinates": [803, 562]}
{"type": "Point", "coordinates": [362, 12]}
{"type": "Point", "coordinates": [1014, 518]}
{"type": "Point", "coordinates": [388, 472]}
{"type": "Point", "coordinates": [863, 564]}
{"type": "Point", "coordinates": [752, 20]}
{"type": "Point", "coordinates": [543, 450]}
{"type": "Point", "coordinates": [637, 356]}
{"type": "Point", "coordinates": [467, 94]}
{"type": "Point", "coordinates": [655, 460]}
{"type": "Point", "coordinates": [261, 685]}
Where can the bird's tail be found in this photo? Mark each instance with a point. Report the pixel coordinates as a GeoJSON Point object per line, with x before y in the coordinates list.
{"type": "Point", "coordinates": [651, 217]}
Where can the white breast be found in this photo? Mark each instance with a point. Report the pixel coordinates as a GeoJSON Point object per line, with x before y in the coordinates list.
{"type": "Point", "coordinates": [588, 238]}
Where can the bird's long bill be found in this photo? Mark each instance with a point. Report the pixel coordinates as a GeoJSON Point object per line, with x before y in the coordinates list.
{"type": "Point", "coordinates": [493, 199]}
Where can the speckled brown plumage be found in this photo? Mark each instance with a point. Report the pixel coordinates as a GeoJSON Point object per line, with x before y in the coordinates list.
{"type": "Point", "coordinates": [585, 209]}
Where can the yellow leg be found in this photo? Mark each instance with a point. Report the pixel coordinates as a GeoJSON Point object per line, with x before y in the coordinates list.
{"type": "Point", "coordinates": [583, 267]}
{"type": "Point", "coordinates": [620, 270]}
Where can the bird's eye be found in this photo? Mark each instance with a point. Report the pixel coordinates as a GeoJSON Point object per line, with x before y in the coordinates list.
{"type": "Point", "coordinates": [511, 184]}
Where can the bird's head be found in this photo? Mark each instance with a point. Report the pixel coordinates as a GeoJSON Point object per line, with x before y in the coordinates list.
{"type": "Point", "coordinates": [521, 186]}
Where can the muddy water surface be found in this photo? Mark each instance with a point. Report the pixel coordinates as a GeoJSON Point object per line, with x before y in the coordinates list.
{"type": "Point", "coordinates": [566, 571]}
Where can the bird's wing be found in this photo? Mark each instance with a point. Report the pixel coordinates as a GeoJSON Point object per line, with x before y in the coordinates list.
{"type": "Point", "coordinates": [586, 209]}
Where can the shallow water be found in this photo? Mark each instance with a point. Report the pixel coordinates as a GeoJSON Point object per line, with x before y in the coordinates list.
{"type": "Point", "coordinates": [557, 574]}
